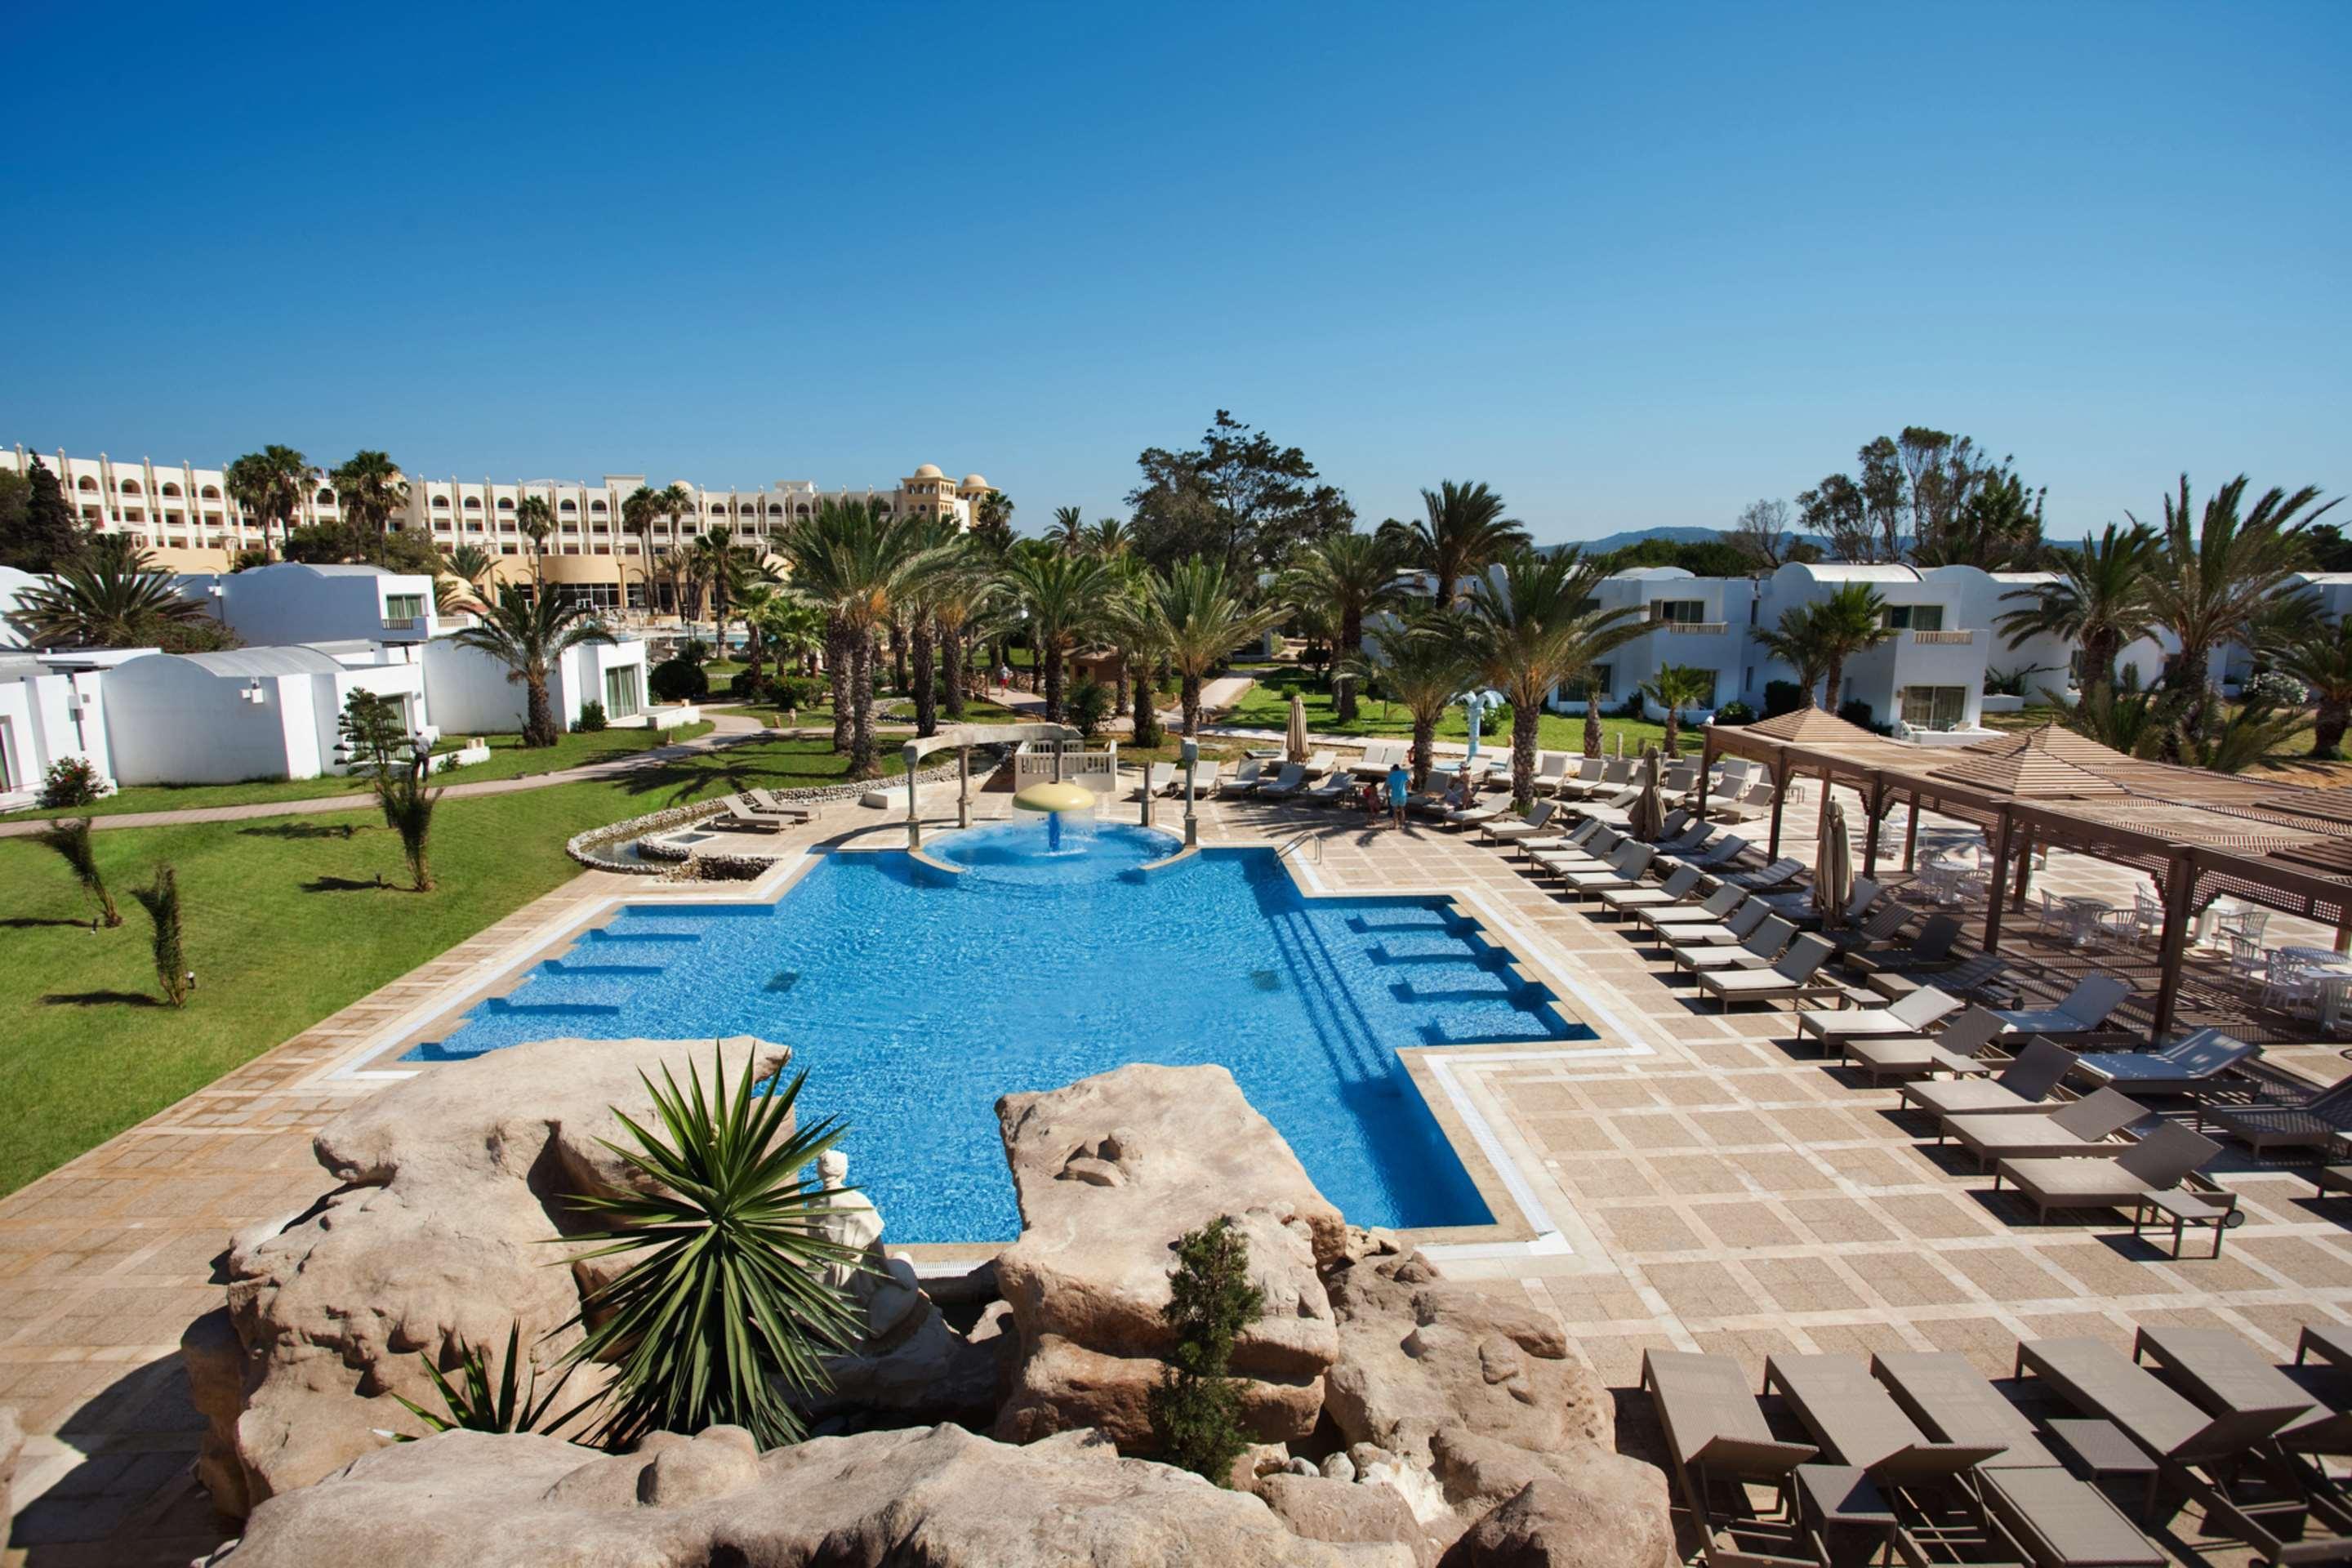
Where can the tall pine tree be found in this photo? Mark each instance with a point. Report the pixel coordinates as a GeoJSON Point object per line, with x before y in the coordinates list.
{"type": "Point", "coordinates": [48, 536]}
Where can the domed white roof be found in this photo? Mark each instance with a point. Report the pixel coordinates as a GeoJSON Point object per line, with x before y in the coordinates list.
{"type": "Point", "coordinates": [929, 471]}
{"type": "Point", "coordinates": [974, 482]}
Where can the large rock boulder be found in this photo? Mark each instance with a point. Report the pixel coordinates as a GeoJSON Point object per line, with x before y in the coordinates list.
{"type": "Point", "coordinates": [1109, 1173]}
{"type": "Point", "coordinates": [11, 1446]}
{"type": "Point", "coordinates": [457, 1181]}
{"type": "Point", "coordinates": [935, 1499]}
{"type": "Point", "coordinates": [1562, 1524]}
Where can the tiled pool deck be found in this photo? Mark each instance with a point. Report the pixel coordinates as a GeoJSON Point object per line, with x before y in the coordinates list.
{"type": "Point", "coordinates": [1710, 1188]}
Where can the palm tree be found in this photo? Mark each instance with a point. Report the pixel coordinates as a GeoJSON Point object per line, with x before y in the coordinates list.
{"type": "Point", "coordinates": [1535, 626]}
{"type": "Point", "coordinates": [1199, 622]}
{"type": "Point", "coordinates": [370, 489]}
{"type": "Point", "coordinates": [1132, 628]}
{"type": "Point", "coordinates": [1109, 538]}
{"type": "Point", "coordinates": [793, 631]}
{"type": "Point", "coordinates": [1425, 663]}
{"type": "Point", "coordinates": [857, 562]}
{"type": "Point", "coordinates": [270, 484]}
{"type": "Point", "coordinates": [1674, 688]}
{"type": "Point", "coordinates": [720, 563]}
{"type": "Point", "coordinates": [2099, 602]}
{"type": "Point", "coordinates": [471, 561]}
{"type": "Point", "coordinates": [1849, 621]}
{"type": "Point", "coordinates": [1064, 595]}
{"type": "Point", "coordinates": [1465, 530]}
{"type": "Point", "coordinates": [111, 600]}
{"type": "Point", "coordinates": [1069, 528]}
{"type": "Point", "coordinates": [529, 633]}
{"type": "Point", "coordinates": [70, 838]}
{"type": "Point", "coordinates": [2320, 657]}
{"type": "Point", "coordinates": [991, 523]}
{"type": "Point", "coordinates": [638, 511]}
{"type": "Point", "coordinates": [962, 593]}
{"type": "Point", "coordinates": [1798, 643]}
{"type": "Point", "coordinates": [1350, 575]}
{"type": "Point", "coordinates": [537, 520]}
{"type": "Point", "coordinates": [2214, 587]}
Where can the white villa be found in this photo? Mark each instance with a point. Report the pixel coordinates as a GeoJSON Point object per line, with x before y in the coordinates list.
{"type": "Point", "coordinates": [293, 603]}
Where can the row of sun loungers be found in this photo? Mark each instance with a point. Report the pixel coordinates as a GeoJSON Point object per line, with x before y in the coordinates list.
{"type": "Point", "coordinates": [760, 811]}
{"type": "Point", "coordinates": [1917, 1451]}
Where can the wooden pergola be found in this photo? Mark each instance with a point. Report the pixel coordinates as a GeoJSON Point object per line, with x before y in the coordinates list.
{"type": "Point", "coordinates": [2201, 835]}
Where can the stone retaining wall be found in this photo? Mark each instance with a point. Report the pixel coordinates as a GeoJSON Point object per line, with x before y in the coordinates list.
{"type": "Point", "coordinates": [730, 868]}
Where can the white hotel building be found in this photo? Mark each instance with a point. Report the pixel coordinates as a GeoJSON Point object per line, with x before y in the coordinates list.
{"type": "Point", "coordinates": [186, 516]}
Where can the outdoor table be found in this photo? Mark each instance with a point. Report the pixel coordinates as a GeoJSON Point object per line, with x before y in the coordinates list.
{"type": "Point", "coordinates": [2183, 1209]}
{"type": "Point", "coordinates": [1857, 1523]}
{"type": "Point", "coordinates": [2084, 916]}
{"type": "Point", "coordinates": [2333, 972]}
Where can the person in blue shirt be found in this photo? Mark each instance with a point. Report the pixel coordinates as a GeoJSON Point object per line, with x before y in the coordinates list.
{"type": "Point", "coordinates": [1399, 783]}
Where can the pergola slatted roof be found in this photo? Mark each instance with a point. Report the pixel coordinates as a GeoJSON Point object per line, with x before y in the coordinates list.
{"type": "Point", "coordinates": [2288, 849]}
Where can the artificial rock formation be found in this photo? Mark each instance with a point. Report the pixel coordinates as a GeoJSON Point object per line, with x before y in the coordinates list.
{"type": "Point", "coordinates": [914, 1498]}
{"type": "Point", "coordinates": [1111, 1171]}
{"type": "Point", "coordinates": [456, 1183]}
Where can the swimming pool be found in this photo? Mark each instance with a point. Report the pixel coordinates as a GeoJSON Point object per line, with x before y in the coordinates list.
{"type": "Point", "coordinates": [916, 997]}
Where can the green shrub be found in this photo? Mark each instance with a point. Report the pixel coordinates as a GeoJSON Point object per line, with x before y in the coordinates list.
{"type": "Point", "coordinates": [473, 1405]}
{"type": "Point", "coordinates": [71, 839]}
{"type": "Point", "coordinates": [592, 719]}
{"type": "Point", "coordinates": [72, 781]}
{"type": "Point", "coordinates": [1089, 705]}
{"type": "Point", "coordinates": [161, 902]}
{"type": "Point", "coordinates": [749, 687]}
{"type": "Point", "coordinates": [1195, 1409]}
{"type": "Point", "coordinates": [1735, 712]}
{"type": "Point", "coordinates": [725, 1309]}
{"type": "Point", "coordinates": [679, 680]}
{"type": "Point", "coordinates": [1783, 697]}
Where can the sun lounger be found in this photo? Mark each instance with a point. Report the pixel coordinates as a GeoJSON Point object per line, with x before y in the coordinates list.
{"type": "Point", "coordinates": [1321, 762]}
{"type": "Point", "coordinates": [1551, 771]}
{"type": "Point", "coordinates": [1243, 779]}
{"type": "Point", "coordinates": [2157, 1163]}
{"type": "Point", "coordinates": [1889, 918]}
{"type": "Point", "coordinates": [1792, 979]}
{"type": "Point", "coordinates": [1908, 1016]}
{"type": "Point", "coordinates": [1800, 906]}
{"type": "Point", "coordinates": [2219, 1371]}
{"type": "Point", "coordinates": [769, 803]}
{"type": "Point", "coordinates": [2192, 1059]}
{"type": "Point", "coordinates": [1769, 877]}
{"type": "Point", "coordinates": [2222, 1461]}
{"type": "Point", "coordinates": [1625, 869]}
{"type": "Point", "coordinates": [1487, 808]}
{"type": "Point", "coordinates": [2058, 1520]}
{"type": "Point", "coordinates": [1713, 910]}
{"type": "Point", "coordinates": [2311, 1122]}
{"type": "Point", "coordinates": [1622, 901]}
{"type": "Point", "coordinates": [1340, 786]}
{"type": "Point", "coordinates": [1931, 948]}
{"type": "Point", "coordinates": [1756, 803]}
{"type": "Point", "coordinates": [2331, 1342]}
{"type": "Point", "coordinates": [1766, 940]}
{"type": "Point", "coordinates": [1737, 927]}
{"type": "Point", "coordinates": [1612, 776]}
{"type": "Point", "coordinates": [1719, 854]}
{"type": "Point", "coordinates": [738, 817]}
{"type": "Point", "coordinates": [1580, 843]}
{"type": "Point", "coordinates": [1586, 774]}
{"type": "Point", "coordinates": [1717, 1442]}
{"type": "Point", "coordinates": [1930, 1484]}
{"type": "Point", "coordinates": [2083, 1009]}
{"type": "Point", "coordinates": [1528, 827]}
{"type": "Point", "coordinates": [1690, 837]}
{"type": "Point", "coordinates": [1284, 785]}
{"type": "Point", "coordinates": [2023, 1086]}
{"type": "Point", "coordinates": [1204, 778]}
{"type": "Point", "coordinates": [2070, 1129]}
{"type": "Point", "coordinates": [1916, 1056]}
{"type": "Point", "coordinates": [1617, 810]}
{"type": "Point", "coordinates": [1160, 778]}
{"type": "Point", "coordinates": [1379, 757]}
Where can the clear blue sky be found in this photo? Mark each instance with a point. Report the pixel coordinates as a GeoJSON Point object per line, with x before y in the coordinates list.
{"type": "Point", "coordinates": [1632, 266]}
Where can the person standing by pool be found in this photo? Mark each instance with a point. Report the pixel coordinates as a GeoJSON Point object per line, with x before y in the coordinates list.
{"type": "Point", "coordinates": [1400, 785]}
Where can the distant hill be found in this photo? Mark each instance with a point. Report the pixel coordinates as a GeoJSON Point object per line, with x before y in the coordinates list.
{"type": "Point", "coordinates": [1673, 535]}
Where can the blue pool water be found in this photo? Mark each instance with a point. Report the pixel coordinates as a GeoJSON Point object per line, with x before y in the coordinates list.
{"type": "Point", "coordinates": [916, 997]}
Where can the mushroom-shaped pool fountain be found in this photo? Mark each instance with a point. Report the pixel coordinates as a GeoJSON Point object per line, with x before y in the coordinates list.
{"type": "Point", "coordinates": [1057, 801]}
{"type": "Point", "coordinates": [1068, 847]}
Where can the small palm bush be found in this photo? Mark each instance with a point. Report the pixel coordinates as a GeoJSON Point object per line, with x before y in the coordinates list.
{"type": "Point", "coordinates": [472, 1405]}
{"type": "Point", "coordinates": [161, 899]}
{"type": "Point", "coordinates": [71, 839]}
{"type": "Point", "coordinates": [1196, 1409]}
{"type": "Point", "coordinates": [408, 810]}
{"type": "Point", "coordinates": [725, 1302]}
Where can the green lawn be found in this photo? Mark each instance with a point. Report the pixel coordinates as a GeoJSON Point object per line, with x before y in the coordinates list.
{"type": "Point", "coordinates": [975, 712]}
{"type": "Point", "coordinates": [1266, 706]}
{"type": "Point", "coordinates": [285, 924]}
{"type": "Point", "coordinates": [508, 759]}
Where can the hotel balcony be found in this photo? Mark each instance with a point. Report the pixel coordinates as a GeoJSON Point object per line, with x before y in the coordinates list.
{"type": "Point", "coordinates": [1943, 639]}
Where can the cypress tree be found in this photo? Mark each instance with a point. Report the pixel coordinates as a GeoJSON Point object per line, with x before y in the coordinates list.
{"type": "Point", "coordinates": [50, 536]}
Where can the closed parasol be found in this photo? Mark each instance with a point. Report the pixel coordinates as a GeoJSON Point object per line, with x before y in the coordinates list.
{"type": "Point", "coordinates": [1295, 741]}
{"type": "Point", "coordinates": [1833, 868]}
{"type": "Point", "coordinates": [1648, 816]}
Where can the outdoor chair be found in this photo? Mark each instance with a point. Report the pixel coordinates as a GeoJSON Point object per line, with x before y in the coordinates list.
{"type": "Point", "coordinates": [2311, 1122]}
{"type": "Point", "coordinates": [1931, 948]}
{"type": "Point", "coordinates": [2219, 1371]}
{"type": "Point", "coordinates": [2071, 1128]}
{"type": "Point", "coordinates": [2023, 1086]}
{"type": "Point", "coordinates": [1244, 778]}
{"type": "Point", "coordinates": [1748, 808]}
{"type": "Point", "coordinates": [1792, 979]}
{"type": "Point", "coordinates": [1938, 1515]}
{"type": "Point", "coordinates": [1799, 907]}
{"type": "Point", "coordinates": [1713, 910]}
{"type": "Point", "coordinates": [1615, 811]}
{"type": "Point", "coordinates": [738, 817]}
{"type": "Point", "coordinates": [1587, 775]}
{"type": "Point", "coordinates": [1377, 758]}
{"type": "Point", "coordinates": [1158, 778]}
{"type": "Point", "coordinates": [1582, 849]}
{"type": "Point", "coordinates": [2288, 984]}
{"type": "Point", "coordinates": [1485, 808]}
{"type": "Point", "coordinates": [2084, 1008]}
{"type": "Point", "coordinates": [2223, 1461]}
{"type": "Point", "coordinates": [2189, 1062]}
{"type": "Point", "coordinates": [1887, 920]}
{"type": "Point", "coordinates": [1506, 831]}
{"type": "Point", "coordinates": [2158, 1163]}
{"type": "Point", "coordinates": [1321, 764]}
{"type": "Point", "coordinates": [1614, 774]}
{"type": "Point", "coordinates": [768, 804]}
{"type": "Point", "coordinates": [1954, 1051]}
{"type": "Point", "coordinates": [1551, 769]}
{"type": "Point", "coordinates": [1722, 852]}
{"type": "Point", "coordinates": [2058, 1520]}
{"type": "Point", "coordinates": [1622, 901]}
{"type": "Point", "coordinates": [1749, 940]}
{"type": "Point", "coordinates": [1204, 778]}
{"type": "Point", "coordinates": [1625, 869]}
{"type": "Point", "coordinates": [1784, 869]}
{"type": "Point", "coordinates": [1338, 786]}
{"type": "Point", "coordinates": [1288, 785]}
{"type": "Point", "coordinates": [1718, 1443]}
{"type": "Point", "coordinates": [1910, 1015]}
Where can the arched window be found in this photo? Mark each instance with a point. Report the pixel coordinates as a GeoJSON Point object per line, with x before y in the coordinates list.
{"type": "Point", "coordinates": [170, 488]}
{"type": "Point", "coordinates": [440, 503]}
{"type": "Point", "coordinates": [597, 507]}
{"type": "Point", "coordinates": [717, 508]}
{"type": "Point", "coordinates": [565, 506]}
{"type": "Point", "coordinates": [87, 483]}
{"type": "Point", "coordinates": [212, 492]}
{"type": "Point", "coordinates": [506, 503]}
{"type": "Point", "coordinates": [774, 510]}
{"type": "Point", "coordinates": [326, 498]}
{"type": "Point", "coordinates": [473, 503]}
{"type": "Point", "coordinates": [129, 487]}
{"type": "Point", "coordinates": [804, 508]}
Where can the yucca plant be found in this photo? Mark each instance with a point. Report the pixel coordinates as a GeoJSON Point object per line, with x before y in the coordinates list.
{"type": "Point", "coordinates": [472, 1405]}
{"type": "Point", "coordinates": [408, 810]}
{"type": "Point", "coordinates": [727, 1302]}
{"type": "Point", "coordinates": [161, 899]}
{"type": "Point", "coordinates": [71, 839]}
